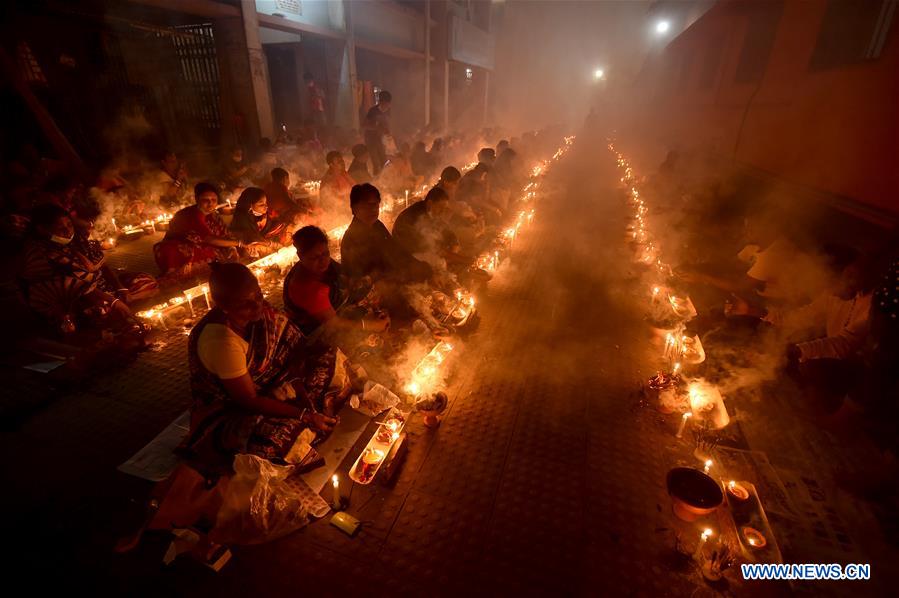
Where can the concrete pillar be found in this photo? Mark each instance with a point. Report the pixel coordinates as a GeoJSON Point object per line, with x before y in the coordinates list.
{"type": "Point", "coordinates": [350, 54]}
{"type": "Point", "coordinates": [485, 119]}
{"type": "Point", "coordinates": [238, 103]}
{"type": "Point", "coordinates": [444, 90]}
{"type": "Point", "coordinates": [258, 70]}
{"type": "Point", "coordinates": [427, 76]}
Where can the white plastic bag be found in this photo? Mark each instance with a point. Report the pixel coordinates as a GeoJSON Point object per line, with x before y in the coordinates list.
{"type": "Point", "coordinates": [375, 399]}
{"type": "Point", "coordinates": [259, 505]}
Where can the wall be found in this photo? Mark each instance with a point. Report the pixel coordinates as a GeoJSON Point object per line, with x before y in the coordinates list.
{"type": "Point", "coordinates": [385, 23]}
{"type": "Point", "coordinates": [832, 131]}
{"type": "Point", "coordinates": [327, 14]}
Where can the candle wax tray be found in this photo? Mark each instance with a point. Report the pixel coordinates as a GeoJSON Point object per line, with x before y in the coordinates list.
{"type": "Point", "coordinates": [373, 443]}
{"type": "Point", "coordinates": [751, 513]}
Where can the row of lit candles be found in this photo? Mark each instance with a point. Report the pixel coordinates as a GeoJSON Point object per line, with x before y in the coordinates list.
{"type": "Point", "coordinates": [675, 342]}
{"type": "Point", "coordinates": [424, 375]}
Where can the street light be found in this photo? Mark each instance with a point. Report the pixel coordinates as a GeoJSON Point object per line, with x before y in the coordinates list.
{"type": "Point", "coordinates": [599, 74]}
{"type": "Point", "coordinates": [662, 27]}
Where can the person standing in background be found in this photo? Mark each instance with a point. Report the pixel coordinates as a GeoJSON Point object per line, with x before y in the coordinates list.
{"type": "Point", "coordinates": [316, 103]}
{"type": "Point", "coordinates": [376, 127]}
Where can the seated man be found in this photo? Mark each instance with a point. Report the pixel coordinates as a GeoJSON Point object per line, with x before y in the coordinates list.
{"type": "Point", "coordinates": [421, 163]}
{"type": "Point", "coordinates": [423, 231]}
{"type": "Point", "coordinates": [317, 295]}
{"type": "Point", "coordinates": [359, 166]}
{"type": "Point", "coordinates": [367, 249]}
{"type": "Point", "coordinates": [474, 189]}
{"type": "Point", "coordinates": [507, 177]}
{"type": "Point", "coordinates": [779, 275]}
{"type": "Point", "coordinates": [420, 228]}
{"type": "Point", "coordinates": [197, 235]}
{"type": "Point", "coordinates": [487, 157]}
{"type": "Point", "coordinates": [463, 221]}
{"type": "Point", "coordinates": [245, 359]}
{"type": "Point", "coordinates": [826, 365]}
{"type": "Point", "coordinates": [397, 175]}
{"type": "Point", "coordinates": [336, 184]}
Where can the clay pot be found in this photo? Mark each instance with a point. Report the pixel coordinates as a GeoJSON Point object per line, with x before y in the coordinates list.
{"type": "Point", "coordinates": [430, 418]}
{"type": "Point", "coordinates": [693, 493]}
{"type": "Point", "coordinates": [709, 574]}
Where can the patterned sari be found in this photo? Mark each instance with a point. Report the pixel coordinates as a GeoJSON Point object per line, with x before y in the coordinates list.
{"type": "Point", "coordinates": [277, 355]}
{"type": "Point", "coordinates": [56, 279]}
{"type": "Point", "coordinates": [184, 246]}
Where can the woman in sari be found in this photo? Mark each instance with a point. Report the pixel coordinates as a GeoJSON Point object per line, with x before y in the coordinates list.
{"type": "Point", "coordinates": [60, 282]}
{"type": "Point", "coordinates": [316, 294]}
{"type": "Point", "coordinates": [196, 236]}
{"type": "Point", "coordinates": [256, 388]}
{"type": "Point", "coordinates": [254, 226]}
{"type": "Point", "coordinates": [127, 286]}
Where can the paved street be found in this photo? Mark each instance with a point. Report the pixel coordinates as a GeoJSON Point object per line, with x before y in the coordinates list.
{"type": "Point", "coordinates": [546, 476]}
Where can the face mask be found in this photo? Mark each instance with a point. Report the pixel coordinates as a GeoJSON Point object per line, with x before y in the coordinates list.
{"type": "Point", "coordinates": [61, 240]}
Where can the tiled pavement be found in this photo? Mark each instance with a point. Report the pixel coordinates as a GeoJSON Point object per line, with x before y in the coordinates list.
{"type": "Point", "coordinates": [544, 478]}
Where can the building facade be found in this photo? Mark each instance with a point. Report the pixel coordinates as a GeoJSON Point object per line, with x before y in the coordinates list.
{"type": "Point", "coordinates": [214, 73]}
{"type": "Point", "coordinates": [802, 91]}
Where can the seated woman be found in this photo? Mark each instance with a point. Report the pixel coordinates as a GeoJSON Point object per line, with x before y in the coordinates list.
{"type": "Point", "coordinates": [316, 294]}
{"type": "Point", "coordinates": [259, 233]}
{"type": "Point", "coordinates": [196, 236]}
{"type": "Point", "coordinates": [235, 170]}
{"type": "Point", "coordinates": [63, 284]}
{"type": "Point", "coordinates": [255, 389]}
{"type": "Point", "coordinates": [127, 286]}
{"type": "Point", "coordinates": [171, 180]}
